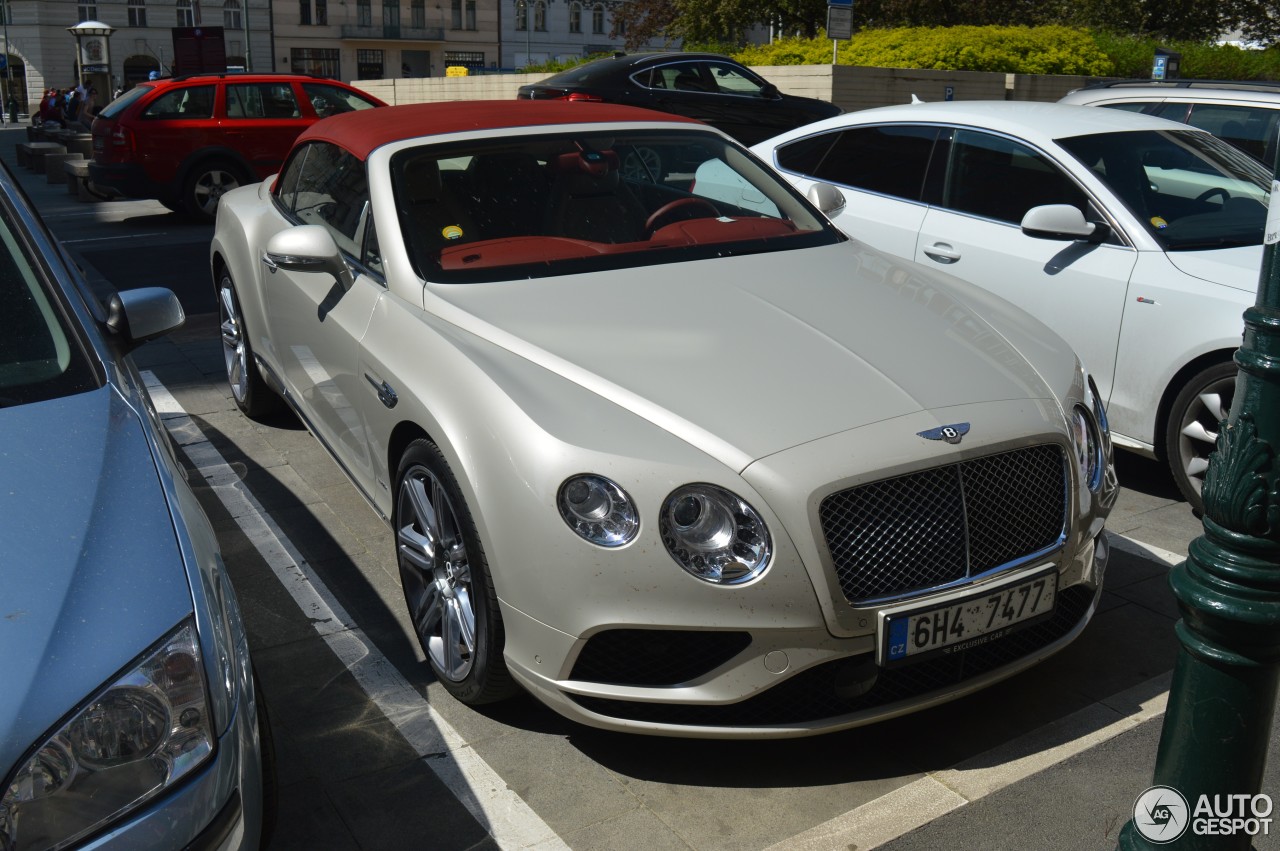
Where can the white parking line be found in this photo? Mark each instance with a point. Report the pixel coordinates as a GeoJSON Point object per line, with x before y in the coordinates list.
{"type": "Point", "coordinates": [509, 820]}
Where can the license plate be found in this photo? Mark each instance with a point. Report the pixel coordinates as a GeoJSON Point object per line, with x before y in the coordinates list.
{"type": "Point", "coordinates": [910, 635]}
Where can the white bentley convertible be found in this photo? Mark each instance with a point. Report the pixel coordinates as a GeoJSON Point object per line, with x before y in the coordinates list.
{"type": "Point", "coordinates": [657, 443]}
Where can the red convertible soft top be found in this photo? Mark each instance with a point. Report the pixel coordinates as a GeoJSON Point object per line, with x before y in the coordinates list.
{"type": "Point", "coordinates": [362, 131]}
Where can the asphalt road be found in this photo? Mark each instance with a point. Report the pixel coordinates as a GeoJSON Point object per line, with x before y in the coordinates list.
{"type": "Point", "coordinates": [373, 754]}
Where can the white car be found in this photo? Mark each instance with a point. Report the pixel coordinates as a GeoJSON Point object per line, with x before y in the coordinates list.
{"type": "Point", "coordinates": [672, 463]}
{"type": "Point", "coordinates": [1137, 239]}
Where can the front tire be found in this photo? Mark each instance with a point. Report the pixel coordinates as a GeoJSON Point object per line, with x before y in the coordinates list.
{"type": "Point", "coordinates": [446, 580]}
{"type": "Point", "coordinates": [248, 388]}
{"type": "Point", "coordinates": [1192, 432]}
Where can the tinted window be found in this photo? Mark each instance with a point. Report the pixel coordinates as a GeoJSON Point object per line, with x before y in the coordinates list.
{"type": "Point", "coordinates": [1127, 107]}
{"type": "Point", "coordinates": [333, 191]}
{"type": "Point", "coordinates": [730, 79]}
{"type": "Point", "coordinates": [287, 185]}
{"type": "Point", "coordinates": [184, 102]}
{"type": "Point", "coordinates": [1248, 128]}
{"type": "Point", "coordinates": [891, 159]}
{"type": "Point", "coordinates": [117, 106]}
{"type": "Point", "coordinates": [998, 178]}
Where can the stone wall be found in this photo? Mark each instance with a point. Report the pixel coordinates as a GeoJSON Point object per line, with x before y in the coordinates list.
{"type": "Point", "coordinates": [848, 87]}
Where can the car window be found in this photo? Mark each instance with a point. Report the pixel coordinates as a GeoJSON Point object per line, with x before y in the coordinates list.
{"type": "Point", "coordinates": [998, 178]}
{"type": "Point", "coordinates": [329, 100]}
{"type": "Point", "coordinates": [689, 77]}
{"type": "Point", "coordinates": [563, 203]}
{"type": "Point", "coordinates": [731, 80]}
{"type": "Point", "coordinates": [118, 105]}
{"type": "Point", "coordinates": [183, 102]}
{"type": "Point", "coordinates": [261, 100]}
{"type": "Point", "coordinates": [333, 192]}
{"type": "Point", "coordinates": [889, 159]}
{"type": "Point", "coordinates": [40, 356]}
{"type": "Point", "coordinates": [1189, 189]}
{"type": "Point", "coordinates": [1128, 107]}
{"type": "Point", "coordinates": [286, 188]}
{"type": "Point", "coordinates": [1248, 128]}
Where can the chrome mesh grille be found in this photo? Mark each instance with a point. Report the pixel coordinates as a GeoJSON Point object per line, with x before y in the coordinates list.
{"type": "Point", "coordinates": [937, 526]}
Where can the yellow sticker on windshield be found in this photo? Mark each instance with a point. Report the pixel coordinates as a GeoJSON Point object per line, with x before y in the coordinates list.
{"type": "Point", "coordinates": [452, 232]}
{"type": "Point", "coordinates": [1158, 223]}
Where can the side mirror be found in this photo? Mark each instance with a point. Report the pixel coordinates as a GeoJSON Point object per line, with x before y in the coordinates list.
{"type": "Point", "coordinates": [1062, 221]}
{"type": "Point", "coordinates": [769, 92]}
{"type": "Point", "coordinates": [307, 248]}
{"type": "Point", "coordinates": [826, 198]}
{"type": "Point", "coordinates": [136, 316]}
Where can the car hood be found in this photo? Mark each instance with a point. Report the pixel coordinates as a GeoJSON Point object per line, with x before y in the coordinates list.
{"type": "Point", "coordinates": [748, 356]}
{"type": "Point", "coordinates": [91, 570]}
{"type": "Point", "coordinates": [1231, 267]}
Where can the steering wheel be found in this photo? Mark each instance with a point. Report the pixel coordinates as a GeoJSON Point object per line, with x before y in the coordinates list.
{"type": "Point", "coordinates": [667, 209]}
{"type": "Point", "coordinates": [1209, 193]}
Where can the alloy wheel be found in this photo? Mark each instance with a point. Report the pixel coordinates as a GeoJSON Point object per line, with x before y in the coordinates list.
{"type": "Point", "coordinates": [1198, 424]}
{"type": "Point", "coordinates": [430, 547]}
{"type": "Point", "coordinates": [234, 353]}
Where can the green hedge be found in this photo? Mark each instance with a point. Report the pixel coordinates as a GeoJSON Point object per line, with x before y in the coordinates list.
{"type": "Point", "coordinates": [1023, 50]}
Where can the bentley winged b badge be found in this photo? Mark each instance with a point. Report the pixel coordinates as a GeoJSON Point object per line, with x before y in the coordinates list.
{"type": "Point", "coordinates": [950, 433]}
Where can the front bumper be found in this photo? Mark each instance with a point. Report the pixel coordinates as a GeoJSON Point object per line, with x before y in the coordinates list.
{"type": "Point", "coordinates": [777, 683]}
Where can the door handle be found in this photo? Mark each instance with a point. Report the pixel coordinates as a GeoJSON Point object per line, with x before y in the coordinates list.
{"type": "Point", "coordinates": [942, 253]}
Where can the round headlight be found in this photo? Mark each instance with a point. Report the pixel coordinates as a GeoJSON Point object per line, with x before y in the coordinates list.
{"type": "Point", "coordinates": [1088, 446]}
{"type": "Point", "coordinates": [714, 534]}
{"type": "Point", "coordinates": [598, 510]}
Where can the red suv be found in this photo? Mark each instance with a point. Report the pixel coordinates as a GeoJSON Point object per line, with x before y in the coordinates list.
{"type": "Point", "coordinates": [187, 140]}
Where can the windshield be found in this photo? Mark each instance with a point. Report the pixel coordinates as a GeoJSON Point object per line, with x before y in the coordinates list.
{"type": "Point", "coordinates": [556, 204]}
{"type": "Point", "coordinates": [40, 358]}
{"type": "Point", "coordinates": [1190, 190]}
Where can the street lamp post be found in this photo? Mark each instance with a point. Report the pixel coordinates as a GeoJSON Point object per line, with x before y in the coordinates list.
{"type": "Point", "coordinates": [1221, 701]}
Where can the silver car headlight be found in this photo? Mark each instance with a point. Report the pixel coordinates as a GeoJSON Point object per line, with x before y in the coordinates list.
{"type": "Point", "coordinates": [598, 510]}
{"type": "Point", "coordinates": [1090, 456]}
{"type": "Point", "coordinates": [714, 534]}
{"type": "Point", "coordinates": [124, 746]}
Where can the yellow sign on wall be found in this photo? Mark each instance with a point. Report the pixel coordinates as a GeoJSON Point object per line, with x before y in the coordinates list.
{"type": "Point", "coordinates": [456, 71]}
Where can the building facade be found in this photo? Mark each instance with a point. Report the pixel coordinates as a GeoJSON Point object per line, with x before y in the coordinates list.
{"type": "Point", "coordinates": [42, 54]}
{"type": "Point", "coordinates": [536, 31]}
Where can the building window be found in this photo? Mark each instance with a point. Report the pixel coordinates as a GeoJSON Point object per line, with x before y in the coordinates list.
{"type": "Point", "coordinates": [322, 13]}
{"type": "Point", "coordinates": [522, 15]}
{"type": "Point", "coordinates": [418, 14]}
{"type": "Point", "coordinates": [137, 13]}
{"type": "Point", "coordinates": [470, 6]}
{"type": "Point", "coordinates": [232, 19]}
{"type": "Point", "coordinates": [87, 11]}
{"type": "Point", "coordinates": [369, 65]}
{"type": "Point", "coordinates": [186, 17]}
{"type": "Point", "coordinates": [304, 12]}
{"type": "Point", "coordinates": [317, 61]}
{"type": "Point", "coordinates": [597, 19]}
{"type": "Point", "coordinates": [469, 58]}
{"type": "Point", "coordinates": [540, 16]}
{"type": "Point", "coordinates": [575, 17]}
{"type": "Point", "coordinates": [391, 14]}
{"type": "Point", "coordinates": [364, 13]}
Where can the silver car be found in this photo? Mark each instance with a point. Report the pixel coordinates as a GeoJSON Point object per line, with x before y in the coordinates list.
{"type": "Point", "coordinates": [654, 440]}
{"type": "Point", "coordinates": [128, 712]}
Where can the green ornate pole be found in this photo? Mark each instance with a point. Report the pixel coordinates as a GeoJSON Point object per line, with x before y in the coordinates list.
{"type": "Point", "coordinates": [1218, 722]}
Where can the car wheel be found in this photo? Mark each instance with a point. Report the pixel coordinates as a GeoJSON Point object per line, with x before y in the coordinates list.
{"type": "Point", "coordinates": [248, 388]}
{"type": "Point", "coordinates": [1192, 432]}
{"type": "Point", "coordinates": [206, 185]}
{"type": "Point", "coordinates": [446, 580]}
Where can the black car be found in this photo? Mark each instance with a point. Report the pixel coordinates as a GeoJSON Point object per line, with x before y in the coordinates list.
{"type": "Point", "coordinates": [706, 86]}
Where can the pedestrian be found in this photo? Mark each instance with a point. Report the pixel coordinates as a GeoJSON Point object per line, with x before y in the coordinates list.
{"type": "Point", "coordinates": [87, 111]}
{"type": "Point", "coordinates": [13, 108]}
